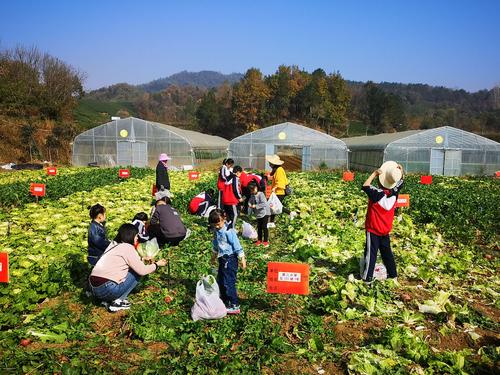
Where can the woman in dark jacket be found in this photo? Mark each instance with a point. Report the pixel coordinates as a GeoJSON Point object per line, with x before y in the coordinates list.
{"type": "Point", "coordinates": [162, 180]}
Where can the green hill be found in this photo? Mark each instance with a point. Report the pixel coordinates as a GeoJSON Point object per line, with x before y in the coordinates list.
{"type": "Point", "coordinates": [90, 112]}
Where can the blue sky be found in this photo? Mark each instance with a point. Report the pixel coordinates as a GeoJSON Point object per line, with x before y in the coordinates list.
{"type": "Point", "coordinates": [448, 43]}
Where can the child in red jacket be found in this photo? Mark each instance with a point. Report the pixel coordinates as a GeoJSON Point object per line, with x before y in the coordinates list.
{"type": "Point", "coordinates": [379, 218]}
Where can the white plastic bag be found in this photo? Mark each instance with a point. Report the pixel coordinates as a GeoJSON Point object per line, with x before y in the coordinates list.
{"type": "Point", "coordinates": [208, 304]}
{"type": "Point", "coordinates": [379, 272]}
{"type": "Point", "coordinates": [275, 204]}
{"type": "Point", "coordinates": [248, 231]}
{"type": "Point", "coordinates": [149, 249]}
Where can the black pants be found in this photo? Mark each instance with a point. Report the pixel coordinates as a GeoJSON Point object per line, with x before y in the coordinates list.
{"type": "Point", "coordinates": [285, 210]}
{"type": "Point", "coordinates": [372, 245]}
{"type": "Point", "coordinates": [154, 231]}
{"type": "Point", "coordinates": [262, 230]}
{"type": "Point", "coordinates": [231, 215]}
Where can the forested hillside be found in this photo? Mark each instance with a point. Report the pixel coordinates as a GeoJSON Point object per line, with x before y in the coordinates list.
{"type": "Point", "coordinates": [43, 105]}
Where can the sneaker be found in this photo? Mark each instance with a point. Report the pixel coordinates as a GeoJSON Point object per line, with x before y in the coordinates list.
{"type": "Point", "coordinates": [271, 225]}
{"type": "Point", "coordinates": [258, 243]}
{"type": "Point", "coordinates": [105, 304]}
{"type": "Point", "coordinates": [293, 215]}
{"type": "Point", "coordinates": [265, 244]}
{"type": "Point", "coordinates": [233, 310]}
{"type": "Point", "coordinates": [118, 305]}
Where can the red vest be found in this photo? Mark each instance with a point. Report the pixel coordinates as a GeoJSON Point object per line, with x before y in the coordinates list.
{"type": "Point", "coordinates": [246, 178]}
{"type": "Point", "coordinates": [195, 203]}
{"type": "Point", "coordinates": [228, 195]}
{"type": "Point", "coordinates": [380, 215]}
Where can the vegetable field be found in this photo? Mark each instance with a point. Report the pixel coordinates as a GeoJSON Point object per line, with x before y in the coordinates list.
{"type": "Point", "coordinates": [440, 317]}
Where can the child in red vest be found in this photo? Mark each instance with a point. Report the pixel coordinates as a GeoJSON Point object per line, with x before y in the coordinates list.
{"type": "Point", "coordinates": [200, 205]}
{"type": "Point", "coordinates": [245, 180]}
{"type": "Point", "coordinates": [379, 218]}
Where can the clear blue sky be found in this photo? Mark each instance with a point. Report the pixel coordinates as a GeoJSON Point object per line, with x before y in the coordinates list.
{"type": "Point", "coordinates": [450, 43]}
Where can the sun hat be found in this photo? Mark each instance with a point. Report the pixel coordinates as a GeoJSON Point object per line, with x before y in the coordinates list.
{"type": "Point", "coordinates": [163, 157]}
{"type": "Point", "coordinates": [390, 175]}
{"type": "Point", "coordinates": [274, 159]}
{"type": "Point", "coordinates": [163, 194]}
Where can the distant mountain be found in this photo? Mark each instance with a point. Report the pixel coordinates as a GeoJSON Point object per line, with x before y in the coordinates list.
{"type": "Point", "coordinates": [203, 79]}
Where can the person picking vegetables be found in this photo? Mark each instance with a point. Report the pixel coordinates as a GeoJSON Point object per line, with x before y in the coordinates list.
{"type": "Point", "coordinates": [227, 250]}
{"type": "Point", "coordinates": [379, 218]}
{"type": "Point", "coordinates": [119, 270]}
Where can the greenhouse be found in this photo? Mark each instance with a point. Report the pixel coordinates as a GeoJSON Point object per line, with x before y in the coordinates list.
{"type": "Point", "coordinates": [300, 147]}
{"type": "Point", "coordinates": [135, 142]}
{"type": "Point", "coordinates": [441, 151]}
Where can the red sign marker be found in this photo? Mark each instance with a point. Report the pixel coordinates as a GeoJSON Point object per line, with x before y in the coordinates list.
{"type": "Point", "coordinates": [287, 278]}
{"type": "Point", "coordinates": [269, 190]}
{"type": "Point", "coordinates": [4, 268]}
{"type": "Point", "coordinates": [51, 171]}
{"type": "Point", "coordinates": [348, 176]}
{"type": "Point", "coordinates": [193, 175]}
{"type": "Point", "coordinates": [403, 200]}
{"type": "Point", "coordinates": [497, 174]}
{"type": "Point", "coordinates": [37, 190]}
{"type": "Point", "coordinates": [426, 180]}
{"type": "Point", "coordinates": [124, 173]}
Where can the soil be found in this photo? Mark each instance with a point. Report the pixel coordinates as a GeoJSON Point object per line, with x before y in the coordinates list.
{"type": "Point", "coordinates": [301, 366]}
{"type": "Point", "coordinates": [353, 333]}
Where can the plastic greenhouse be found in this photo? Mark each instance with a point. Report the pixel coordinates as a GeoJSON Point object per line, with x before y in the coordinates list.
{"type": "Point", "coordinates": [441, 151]}
{"type": "Point", "coordinates": [135, 142]}
{"type": "Point", "coordinates": [300, 147]}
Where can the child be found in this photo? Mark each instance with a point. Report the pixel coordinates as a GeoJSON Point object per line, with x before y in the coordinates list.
{"type": "Point", "coordinates": [227, 249]}
{"type": "Point", "coordinates": [231, 198]}
{"type": "Point", "coordinates": [97, 241]}
{"type": "Point", "coordinates": [225, 173]}
{"type": "Point", "coordinates": [139, 221]}
{"type": "Point", "coordinates": [262, 211]}
{"type": "Point", "coordinates": [245, 180]}
{"type": "Point", "coordinates": [200, 204]}
{"type": "Point", "coordinates": [379, 218]}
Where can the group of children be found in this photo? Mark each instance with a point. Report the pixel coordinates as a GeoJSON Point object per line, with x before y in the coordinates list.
{"type": "Point", "coordinates": [237, 190]}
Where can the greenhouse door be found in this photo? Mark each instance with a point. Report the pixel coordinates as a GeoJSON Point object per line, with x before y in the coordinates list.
{"type": "Point", "coordinates": [452, 161]}
{"type": "Point", "coordinates": [292, 156]}
{"type": "Point", "coordinates": [445, 162]}
{"type": "Point", "coordinates": [132, 153]}
{"type": "Point", "coordinates": [306, 158]}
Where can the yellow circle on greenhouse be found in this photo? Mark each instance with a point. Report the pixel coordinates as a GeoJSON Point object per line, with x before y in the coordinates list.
{"type": "Point", "coordinates": [282, 135]}
{"type": "Point", "coordinates": [123, 133]}
{"type": "Point", "coordinates": [439, 139]}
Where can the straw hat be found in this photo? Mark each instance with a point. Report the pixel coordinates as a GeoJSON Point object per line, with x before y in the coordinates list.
{"type": "Point", "coordinates": [163, 157]}
{"type": "Point", "coordinates": [390, 175]}
{"type": "Point", "coordinates": [274, 159]}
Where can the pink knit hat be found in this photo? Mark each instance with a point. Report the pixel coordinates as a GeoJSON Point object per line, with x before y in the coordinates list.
{"type": "Point", "coordinates": [163, 157]}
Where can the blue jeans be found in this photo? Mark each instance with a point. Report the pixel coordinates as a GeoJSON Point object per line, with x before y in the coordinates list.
{"type": "Point", "coordinates": [226, 278]}
{"type": "Point", "coordinates": [109, 291]}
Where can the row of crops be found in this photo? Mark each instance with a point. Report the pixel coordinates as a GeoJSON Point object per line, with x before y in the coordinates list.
{"type": "Point", "coordinates": [441, 317]}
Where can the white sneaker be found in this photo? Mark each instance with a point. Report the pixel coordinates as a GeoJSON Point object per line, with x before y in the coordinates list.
{"type": "Point", "coordinates": [293, 215]}
{"type": "Point", "coordinates": [271, 225]}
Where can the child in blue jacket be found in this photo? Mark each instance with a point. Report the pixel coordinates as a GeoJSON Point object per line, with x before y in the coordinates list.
{"type": "Point", "coordinates": [97, 240]}
{"type": "Point", "coordinates": [227, 250]}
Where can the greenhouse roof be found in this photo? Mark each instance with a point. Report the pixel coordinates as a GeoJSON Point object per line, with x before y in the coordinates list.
{"type": "Point", "coordinates": [450, 138]}
{"type": "Point", "coordinates": [195, 139]}
{"type": "Point", "coordinates": [289, 132]}
{"type": "Point", "coordinates": [378, 141]}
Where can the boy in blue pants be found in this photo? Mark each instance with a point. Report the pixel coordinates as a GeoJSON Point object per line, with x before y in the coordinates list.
{"type": "Point", "coordinates": [379, 218]}
{"type": "Point", "coordinates": [227, 250]}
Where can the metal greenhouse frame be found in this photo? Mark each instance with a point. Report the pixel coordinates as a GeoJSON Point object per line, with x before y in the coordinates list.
{"type": "Point", "coordinates": [301, 148]}
{"type": "Point", "coordinates": [135, 142]}
{"type": "Point", "coordinates": [441, 151]}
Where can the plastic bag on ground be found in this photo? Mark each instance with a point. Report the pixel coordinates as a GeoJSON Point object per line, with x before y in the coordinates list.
{"type": "Point", "coordinates": [208, 304]}
{"type": "Point", "coordinates": [379, 272]}
{"type": "Point", "coordinates": [248, 231]}
{"type": "Point", "coordinates": [275, 204]}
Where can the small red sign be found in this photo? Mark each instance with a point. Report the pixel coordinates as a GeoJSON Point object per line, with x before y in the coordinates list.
{"type": "Point", "coordinates": [37, 190]}
{"type": "Point", "coordinates": [154, 190]}
{"type": "Point", "coordinates": [403, 200]}
{"type": "Point", "coordinates": [51, 171]}
{"type": "Point", "coordinates": [124, 173]}
{"type": "Point", "coordinates": [288, 278]}
{"type": "Point", "coordinates": [4, 268]}
{"type": "Point", "coordinates": [269, 190]}
{"type": "Point", "coordinates": [497, 174]}
{"type": "Point", "coordinates": [193, 175]}
{"type": "Point", "coordinates": [348, 176]}
{"type": "Point", "coordinates": [426, 180]}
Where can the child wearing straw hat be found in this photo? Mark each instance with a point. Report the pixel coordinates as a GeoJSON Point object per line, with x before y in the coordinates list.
{"type": "Point", "coordinates": [379, 218]}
